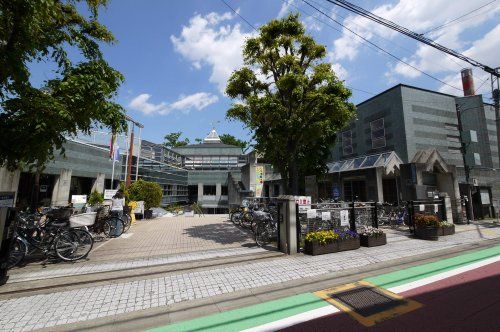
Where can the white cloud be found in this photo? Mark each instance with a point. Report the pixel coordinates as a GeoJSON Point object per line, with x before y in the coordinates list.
{"type": "Point", "coordinates": [205, 41]}
{"type": "Point", "coordinates": [419, 16]}
{"type": "Point", "coordinates": [184, 104]}
{"type": "Point", "coordinates": [198, 101]}
{"type": "Point", "coordinates": [141, 104]}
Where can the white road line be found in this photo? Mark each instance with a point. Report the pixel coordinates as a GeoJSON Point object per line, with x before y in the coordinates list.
{"type": "Point", "coordinates": [330, 309]}
{"type": "Point", "coordinates": [294, 320]}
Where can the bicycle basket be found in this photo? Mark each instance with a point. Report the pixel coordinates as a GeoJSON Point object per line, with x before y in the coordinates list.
{"type": "Point", "coordinates": [61, 213]}
{"type": "Point", "coordinates": [102, 211]}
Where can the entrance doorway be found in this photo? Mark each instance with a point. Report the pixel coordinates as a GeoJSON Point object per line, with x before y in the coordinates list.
{"type": "Point", "coordinates": [355, 190]}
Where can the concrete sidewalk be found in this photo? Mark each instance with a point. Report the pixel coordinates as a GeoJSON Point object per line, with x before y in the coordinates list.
{"type": "Point", "coordinates": [110, 304]}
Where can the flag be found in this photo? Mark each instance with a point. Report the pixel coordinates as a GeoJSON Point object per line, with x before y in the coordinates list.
{"type": "Point", "coordinates": [116, 156]}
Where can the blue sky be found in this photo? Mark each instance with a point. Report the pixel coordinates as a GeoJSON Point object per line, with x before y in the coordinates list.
{"type": "Point", "coordinates": [177, 55]}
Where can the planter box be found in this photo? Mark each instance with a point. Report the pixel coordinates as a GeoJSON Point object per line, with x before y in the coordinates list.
{"type": "Point", "coordinates": [373, 241]}
{"type": "Point", "coordinates": [448, 230]}
{"type": "Point", "coordinates": [148, 214]}
{"type": "Point", "coordinates": [428, 233]}
{"type": "Point", "coordinates": [314, 248]}
{"type": "Point", "coordinates": [349, 244]}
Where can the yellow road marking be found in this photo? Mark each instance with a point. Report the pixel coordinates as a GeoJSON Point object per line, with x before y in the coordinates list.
{"type": "Point", "coordinates": [407, 306]}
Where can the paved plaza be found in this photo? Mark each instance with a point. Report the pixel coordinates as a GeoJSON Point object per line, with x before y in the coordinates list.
{"type": "Point", "coordinates": [46, 310]}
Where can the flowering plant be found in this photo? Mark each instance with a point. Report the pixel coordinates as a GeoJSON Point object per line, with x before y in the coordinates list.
{"type": "Point", "coordinates": [323, 237]}
{"type": "Point", "coordinates": [343, 235]}
{"type": "Point", "coordinates": [427, 220]}
{"type": "Point", "coordinates": [371, 231]}
{"type": "Point", "coordinates": [446, 224]}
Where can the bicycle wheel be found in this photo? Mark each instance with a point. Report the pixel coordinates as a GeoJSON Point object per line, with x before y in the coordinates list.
{"type": "Point", "coordinates": [262, 234]}
{"type": "Point", "coordinates": [17, 253]}
{"type": "Point", "coordinates": [66, 246]}
{"type": "Point", "coordinates": [127, 221]}
{"type": "Point", "coordinates": [113, 227]}
{"type": "Point", "coordinates": [85, 242]}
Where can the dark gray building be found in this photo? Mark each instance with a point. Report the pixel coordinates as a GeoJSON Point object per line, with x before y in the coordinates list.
{"type": "Point", "coordinates": [420, 127]}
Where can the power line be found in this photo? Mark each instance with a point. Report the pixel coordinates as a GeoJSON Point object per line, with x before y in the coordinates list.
{"type": "Point", "coordinates": [456, 19]}
{"type": "Point", "coordinates": [236, 12]}
{"type": "Point", "coordinates": [391, 41]}
{"type": "Point", "coordinates": [380, 48]}
{"type": "Point", "coordinates": [420, 37]}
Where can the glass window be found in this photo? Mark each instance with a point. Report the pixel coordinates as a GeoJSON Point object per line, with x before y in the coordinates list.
{"type": "Point", "coordinates": [347, 142]}
{"type": "Point", "coordinates": [477, 159]}
{"type": "Point", "coordinates": [209, 190]}
{"type": "Point", "coordinates": [223, 190]}
{"type": "Point", "coordinates": [377, 133]}
{"type": "Point", "coordinates": [370, 160]}
{"type": "Point", "coordinates": [358, 162]}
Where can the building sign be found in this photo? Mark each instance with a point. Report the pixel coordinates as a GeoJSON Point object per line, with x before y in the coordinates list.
{"type": "Point", "coordinates": [304, 203]}
{"type": "Point", "coordinates": [344, 217]}
{"type": "Point", "coordinates": [259, 180]}
{"type": "Point", "coordinates": [78, 199]}
{"type": "Point", "coordinates": [311, 214]}
{"type": "Point", "coordinates": [109, 193]}
{"type": "Point", "coordinates": [7, 199]}
{"type": "Point", "coordinates": [485, 198]}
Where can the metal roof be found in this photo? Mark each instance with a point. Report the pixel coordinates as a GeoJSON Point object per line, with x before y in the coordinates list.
{"type": "Point", "coordinates": [384, 159]}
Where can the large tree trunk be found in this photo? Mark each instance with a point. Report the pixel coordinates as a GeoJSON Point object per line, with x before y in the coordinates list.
{"type": "Point", "coordinates": [294, 178]}
{"type": "Point", "coordinates": [36, 191]}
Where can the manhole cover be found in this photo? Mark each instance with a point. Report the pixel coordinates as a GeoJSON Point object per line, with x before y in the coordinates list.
{"type": "Point", "coordinates": [367, 303]}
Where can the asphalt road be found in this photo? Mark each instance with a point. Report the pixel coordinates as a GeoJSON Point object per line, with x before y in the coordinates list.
{"type": "Point", "coordinates": [469, 301]}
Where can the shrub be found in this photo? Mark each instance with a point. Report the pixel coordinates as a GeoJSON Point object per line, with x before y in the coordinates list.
{"type": "Point", "coordinates": [125, 193]}
{"type": "Point", "coordinates": [446, 224]}
{"type": "Point", "coordinates": [95, 198]}
{"type": "Point", "coordinates": [427, 220]}
{"type": "Point", "coordinates": [323, 237]}
{"type": "Point", "coordinates": [149, 192]}
{"type": "Point", "coordinates": [348, 234]}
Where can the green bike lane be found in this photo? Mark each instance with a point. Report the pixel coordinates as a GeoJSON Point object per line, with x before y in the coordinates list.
{"type": "Point", "coordinates": [300, 309]}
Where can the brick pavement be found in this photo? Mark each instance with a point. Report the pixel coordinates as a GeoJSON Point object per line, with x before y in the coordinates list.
{"type": "Point", "coordinates": [166, 236]}
{"type": "Point", "coordinates": [47, 310]}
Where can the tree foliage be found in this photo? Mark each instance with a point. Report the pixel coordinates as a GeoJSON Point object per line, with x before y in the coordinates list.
{"type": "Point", "coordinates": [34, 120]}
{"type": "Point", "coordinates": [149, 192]}
{"type": "Point", "coordinates": [231, 140]}
{"type": "Point", "coordinates": [291, 100]}
{"type": "Point", "coordinates": [172, 140]}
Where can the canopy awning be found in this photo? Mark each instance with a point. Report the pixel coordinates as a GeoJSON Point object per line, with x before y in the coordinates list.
{"type": "Point", "coordinates": [389, 160]}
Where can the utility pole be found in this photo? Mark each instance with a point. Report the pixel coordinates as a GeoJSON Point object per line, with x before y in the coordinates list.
{"type": "Point", "coordinates": [463, 150]}
{"type": "Point", "coordinates": [495, 89]}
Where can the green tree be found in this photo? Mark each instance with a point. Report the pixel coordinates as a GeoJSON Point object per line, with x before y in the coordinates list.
{"type": "Point", "coordinates": [198, 140]}
{"type": "Point", "coordinates": [231, 140]}
{"type": "Point", "coordinates": [172, 140]}
{"type": "Point", "coordinates": [34, 120]}
{"type": "Point", "coordinates": [291, 100]}
{"type": "Point", "coordinates": [149, 192]}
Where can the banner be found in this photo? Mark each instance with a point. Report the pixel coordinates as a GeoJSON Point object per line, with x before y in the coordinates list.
{"type": "Point", "coordinates": [259, 180]}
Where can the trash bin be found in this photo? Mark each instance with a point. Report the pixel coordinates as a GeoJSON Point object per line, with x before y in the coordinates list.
{"type": "Point", "coordinates": [7, 231]}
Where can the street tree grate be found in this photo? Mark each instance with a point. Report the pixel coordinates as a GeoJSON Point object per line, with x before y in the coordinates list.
{"type": "Point", "coordinates": [367, 303]}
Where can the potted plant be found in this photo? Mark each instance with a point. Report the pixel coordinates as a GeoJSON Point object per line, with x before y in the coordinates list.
{"type": "Point", "coordinates": [348, 240]}
{"type": "Point", "coordinates": [372, 237]}
{"type": "Point", "coordinates": [447, 228]}
{"type": "Point", "coordinates": [149, 192]}
{"type": "Point", "coordinates": [321, 242]}
{"type": "Point", "coordinates": [95, 199]}
{"type": "Point", "coordinates": [427, 226]}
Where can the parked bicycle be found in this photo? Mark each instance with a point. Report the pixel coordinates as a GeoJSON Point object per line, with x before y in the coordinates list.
{"type": "Point", "coordinates": [52, 235]}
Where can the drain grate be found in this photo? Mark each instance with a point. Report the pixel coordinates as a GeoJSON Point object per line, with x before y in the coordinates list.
{"type": "Point", "coordinates": [367, 303]}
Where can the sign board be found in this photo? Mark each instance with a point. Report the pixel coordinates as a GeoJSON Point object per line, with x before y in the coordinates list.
{"type": "Point", "coordinates": [304, 203]}
{"type": "Point", "coordinates": [325, 216]}
{"type": "Point", "coordinates": [421, 207]}
{"type": "Point", "coordinates": [259, 180]}
{"type": "Point", "coordinates": [109, 193]}
{"type": "Point", "coordinates": [140, 207]}
{"type": "Point", "coordinates": [43, 188]}
{"type": "Point", "coordinates": [311, 214]}
{"type": "Point", "coordinates": [436, 208]}
{"type": "Point", "coordinates": [7, 199]}
{"type": "Point", "coordinates": [344, 217]}
{"type": "Point", "coordinates": [78, 199]}
{"type": "Point", "coordinates": [189, 214]}
{"type": "Point", "coordinates": [485, 198]}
